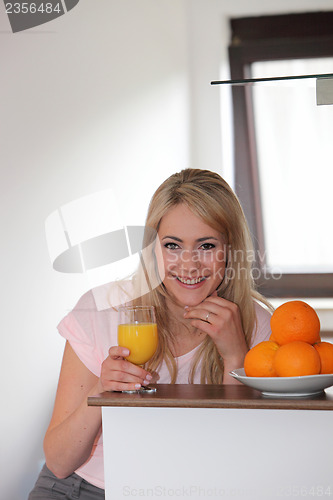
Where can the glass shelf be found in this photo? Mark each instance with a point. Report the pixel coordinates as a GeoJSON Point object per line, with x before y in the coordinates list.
{"type": "Point", "coordinates": [247, 81]}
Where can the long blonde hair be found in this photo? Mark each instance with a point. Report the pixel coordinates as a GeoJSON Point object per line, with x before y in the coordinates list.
{"type": "Point", "coordinates": [209, 197]}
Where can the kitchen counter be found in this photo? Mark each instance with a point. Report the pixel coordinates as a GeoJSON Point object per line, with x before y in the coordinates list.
{"type": "Point", "coordinates": [216, 442]}
{"type": "Point", "coordinates": [211, 396]}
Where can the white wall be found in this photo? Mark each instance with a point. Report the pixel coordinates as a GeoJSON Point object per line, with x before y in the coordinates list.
{"type": "Point", "coordinates": [98, 98]}
{"type": "Point", "coordinates": [113, 94]}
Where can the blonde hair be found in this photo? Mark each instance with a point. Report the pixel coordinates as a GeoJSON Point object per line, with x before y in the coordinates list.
{"type": "Point", "coordinates": [209, 197]}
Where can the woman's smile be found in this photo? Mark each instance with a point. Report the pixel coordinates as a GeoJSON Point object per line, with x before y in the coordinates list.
{"type": "Point", "coordinates": [190, 281]}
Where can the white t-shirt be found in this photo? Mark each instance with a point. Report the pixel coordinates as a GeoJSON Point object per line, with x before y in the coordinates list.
{"type": "Point", "coordinates": [91, 329]}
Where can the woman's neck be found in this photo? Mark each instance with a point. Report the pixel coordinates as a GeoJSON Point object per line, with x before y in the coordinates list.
{"type": "Point", "coordinates": [186, 337]}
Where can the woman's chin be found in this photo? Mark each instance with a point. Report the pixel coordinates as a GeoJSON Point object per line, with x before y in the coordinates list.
{"type": "Point", "coordinates": [187, 295]}
{"type": "Point", "coordinates": [189, 300]}
{"type": "Point", "coordinates": [193, 303]}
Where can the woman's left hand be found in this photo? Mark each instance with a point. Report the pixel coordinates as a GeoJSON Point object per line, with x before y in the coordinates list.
{"type": "Point", "coordinates": [220, 319]}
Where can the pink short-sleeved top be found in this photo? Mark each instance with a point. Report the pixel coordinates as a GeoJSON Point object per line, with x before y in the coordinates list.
{"type": "Point", "coordinates": [91, 329]}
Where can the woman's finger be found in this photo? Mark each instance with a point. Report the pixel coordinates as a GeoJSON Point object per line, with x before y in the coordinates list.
{"type": "Point", "coordinates": [201, 314]}
{"type": "Point", "coordinates": [117, 351]}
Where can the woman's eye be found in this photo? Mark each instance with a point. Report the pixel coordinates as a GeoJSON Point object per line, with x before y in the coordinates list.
{"type": "Point", "coordinates": [207, 246]}
{"type": "Point", "coordinates": [171, 246]}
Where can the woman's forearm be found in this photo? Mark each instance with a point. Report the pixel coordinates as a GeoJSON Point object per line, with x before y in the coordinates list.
{"type": "Point", "coordinates": [68, 445]}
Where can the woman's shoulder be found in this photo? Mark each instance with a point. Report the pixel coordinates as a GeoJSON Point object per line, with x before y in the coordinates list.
{"type": "Point", "coordinates": [262, 329]}
{"type": "Point", "coordinates": [93, 314]}
{"type": "Point", "coordinates": [106, 296]}
{"type": "Point", "coordinates": [262, 311]}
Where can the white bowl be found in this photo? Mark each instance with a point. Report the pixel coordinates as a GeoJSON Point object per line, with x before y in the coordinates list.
{"type": "Point", "coordinates": [285, 386]}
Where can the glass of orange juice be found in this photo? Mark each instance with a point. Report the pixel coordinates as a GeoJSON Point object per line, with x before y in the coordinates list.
{"type": "Point", "coordinates": [137, 331]}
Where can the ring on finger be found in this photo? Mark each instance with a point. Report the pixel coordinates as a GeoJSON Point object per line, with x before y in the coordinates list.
{"type": "Point", "coordinates": [207, 316]}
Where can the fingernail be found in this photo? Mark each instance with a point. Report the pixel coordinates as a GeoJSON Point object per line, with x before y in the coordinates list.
{"type": "Point", "coordinates": [137, 386]}
{"type": "Point", "coordinates": [126, 352]}
{"type": "Point", "coordinates": [148, 376]}
{"type": "Point", "coordinates": [186, 307]}
{"type": "Point", "coordinates": [145, 382]}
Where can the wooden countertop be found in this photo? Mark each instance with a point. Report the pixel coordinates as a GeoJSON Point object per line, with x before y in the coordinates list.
{"type": "Point", "coordinates": [210, 396]}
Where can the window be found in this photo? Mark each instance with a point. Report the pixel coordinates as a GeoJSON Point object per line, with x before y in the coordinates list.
{"type": "Point", "coordinates": [283, 175]}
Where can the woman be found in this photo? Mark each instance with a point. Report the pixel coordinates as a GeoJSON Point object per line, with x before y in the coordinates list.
{"type": "Point", "coordinates": [208, 316]}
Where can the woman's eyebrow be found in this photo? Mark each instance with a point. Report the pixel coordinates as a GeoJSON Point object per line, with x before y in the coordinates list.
{"type": "Point", "coordinates": [204, 238]}
{"type": "Point", "coordinates": [207, 238]}
{"type": "Point", "coordinates": [172, 238]}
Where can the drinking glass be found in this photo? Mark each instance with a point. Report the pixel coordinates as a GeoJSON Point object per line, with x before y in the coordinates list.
{"type": "Point", "coordinates": [137, 331]}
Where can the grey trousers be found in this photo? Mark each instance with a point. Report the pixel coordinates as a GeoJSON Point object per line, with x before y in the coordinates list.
{"type": "Point", "coordinates": [49, 487]}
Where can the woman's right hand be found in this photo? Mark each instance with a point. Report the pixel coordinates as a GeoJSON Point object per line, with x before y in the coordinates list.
{"type": "Point", "coordinates": [118, 374]}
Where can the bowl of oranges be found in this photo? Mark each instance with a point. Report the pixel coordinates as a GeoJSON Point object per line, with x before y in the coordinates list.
{"type": "Point", "coordinates": [294, 361]}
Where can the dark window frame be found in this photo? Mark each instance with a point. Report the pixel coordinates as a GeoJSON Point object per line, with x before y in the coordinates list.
{"type": "Point", "coordinates": [271, 38]}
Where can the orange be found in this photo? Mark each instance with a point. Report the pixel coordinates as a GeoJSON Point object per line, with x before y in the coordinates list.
{"type": "Point", "coordinates": [258, 361]}
{"type": "Point", "coordinates": [295, 320]}
{"type": "Point", "coordinates": [325, 351]}
{"type": "Point", "coordinates": [296, 359]}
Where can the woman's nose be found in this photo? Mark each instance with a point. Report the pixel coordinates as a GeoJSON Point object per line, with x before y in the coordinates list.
{"type": "Point", "coordinates": [190, 261]}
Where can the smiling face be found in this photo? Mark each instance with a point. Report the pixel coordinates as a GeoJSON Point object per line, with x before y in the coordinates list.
{"type": "Point", "coordinates": [193, 256]}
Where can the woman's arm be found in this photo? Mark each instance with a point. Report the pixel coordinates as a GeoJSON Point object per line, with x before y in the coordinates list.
{"type": "Point", "coordinates": [74, 425]}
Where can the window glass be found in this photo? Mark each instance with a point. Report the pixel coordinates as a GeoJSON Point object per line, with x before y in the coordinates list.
{"type": "Point", "coordinates": [295, 152]}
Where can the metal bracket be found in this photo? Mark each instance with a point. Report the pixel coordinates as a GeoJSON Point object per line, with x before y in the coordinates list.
{"type": "Point", "coordinates": [324, 91]}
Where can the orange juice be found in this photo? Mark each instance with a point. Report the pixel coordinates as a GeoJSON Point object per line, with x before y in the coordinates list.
{"type": "Point", "coordinates": [140, 338]}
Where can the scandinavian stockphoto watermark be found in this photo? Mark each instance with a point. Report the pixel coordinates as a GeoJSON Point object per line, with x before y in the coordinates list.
{"type": "Point", "coordinates": [23, 15]}
{"type": "Point", "coordinates": [117, 246]}
{"type": "Point", "coordinates": [220, 492]}
{"type": "Point", "coordinates": [89, 236]}
{"type": "Point", "coordinates": [229, 264]}
{"type": "Point", "coordinates": [189, 491]}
